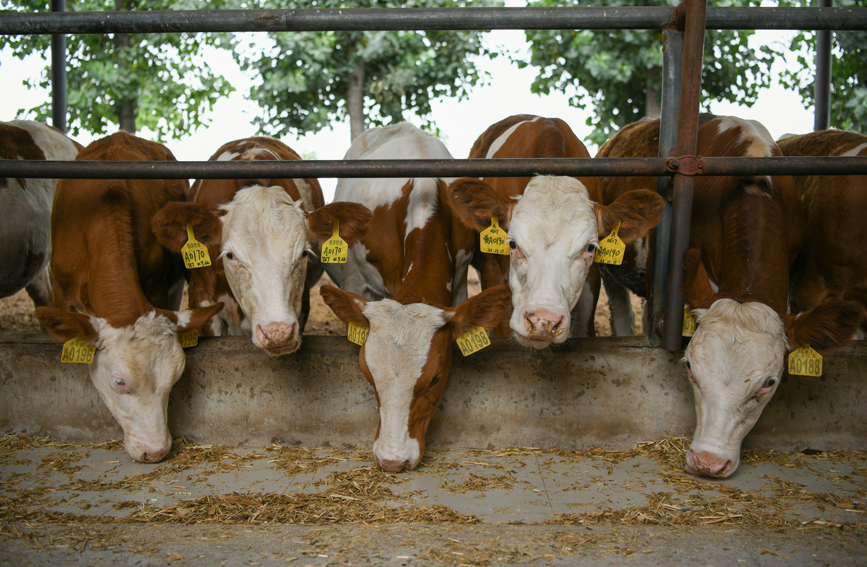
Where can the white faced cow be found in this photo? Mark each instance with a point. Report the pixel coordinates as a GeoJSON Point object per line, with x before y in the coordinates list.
{"type": "Point", "coordinates": [554, 226]}
{"type": "Point", "coordinates": [417, 253]}
{"type": "Point", "coordinates": [261, 235]}
{"type": "Point", "coordinates": [25, 230]}
{"type": "Point", "coordinates": [113, 288]}
{"type": "Point", "coordinates": [745, 233]}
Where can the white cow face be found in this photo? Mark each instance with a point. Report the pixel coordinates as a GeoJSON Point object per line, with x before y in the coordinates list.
{"type": "Point", "coordinates": [134, 369]}
{"type": "Point", "coordinates": [553, 236]}
{"type": "Point", "coordinates": [266, 249]}
{"type": "Point", "coordinates": [554, 229]}
{"type": "Point", "coordinates": [735, 361]}
{"type": "Point", "coordinates": [407, 359]}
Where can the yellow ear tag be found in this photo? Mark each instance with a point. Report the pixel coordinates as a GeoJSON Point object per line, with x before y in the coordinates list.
{"type": "Point", "coordinates": [189, 339]}
{"type": "Point", "coordinates": [611, 248]}
{"type": "Point", "coordinates": [77, 351]}
{"type": "Point", "coordinates": [493, 239]}
{"type": "Point", "coordinates": [195, 253]}
{"type": "Point", "coordinates": [805, 362]}
{"type": "Point", "coordinates": [335, 250]}
{"type": "Point", "coordinates": [357, 333]}
{"type": "Point", "coordinates": [689, 324]}
{"type": "Point", "coordinates": [473, 340]}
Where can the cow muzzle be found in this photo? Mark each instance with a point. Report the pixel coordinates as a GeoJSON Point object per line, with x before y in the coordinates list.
{"type": "Point", "coordinates": [395, 466]}
{"type": "Point", "coordinates": [545, 326]}
{"type": "Point", "coordinates": [707, 464]}
{"type": "Point", "coordinates": [278, 338]}
{"type": "Point", "coordinates": [147, 452]}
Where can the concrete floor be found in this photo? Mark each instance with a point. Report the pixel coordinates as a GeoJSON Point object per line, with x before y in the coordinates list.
{"type": "Point", "coordinates": [82, 504]}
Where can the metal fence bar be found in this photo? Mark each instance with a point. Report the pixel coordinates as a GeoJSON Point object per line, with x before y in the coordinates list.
{"type": "Point", "coordinates": [362, 19]}
{"type": "Point", "coordinates": [593, 167]}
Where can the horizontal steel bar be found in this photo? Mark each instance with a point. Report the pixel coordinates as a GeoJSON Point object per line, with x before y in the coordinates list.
{"type": "Point", "coordinates": [239, 169]}
{"type": "Point", "coordinates": [360, 19]}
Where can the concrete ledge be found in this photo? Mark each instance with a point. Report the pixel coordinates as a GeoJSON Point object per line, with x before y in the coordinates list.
{"type": "Point", "coordinates": [607, 392]}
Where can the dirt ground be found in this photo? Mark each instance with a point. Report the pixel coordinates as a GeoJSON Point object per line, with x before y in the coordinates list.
{"type": "Point", "coordinates": [16, 312]}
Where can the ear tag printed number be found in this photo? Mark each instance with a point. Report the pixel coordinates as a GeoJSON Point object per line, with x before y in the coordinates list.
{"type": "Point", "coordinates": [357, 333]}
{"type": "Point", "coordinates": [77, 352]}
{"type": "Point", "coordinates": [335, 250]}
{"type": "Point", "coordinates": [805, 362]}
{"type": "Point", "coordinates": [689, 324]}
{"type": "Point", "coordinates": [473, 340]}
{"type": "Point", "coordinates": [188, 339]}
{"type": "Point", "coordinates": [195, 253]}
{"type": "Point", "coordinates": [492, 240]}
{"type": "Point", "coordinates": [611, 249]}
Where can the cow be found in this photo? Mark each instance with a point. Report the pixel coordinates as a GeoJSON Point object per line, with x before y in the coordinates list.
{"type": "Point", "coordinates": [745, 233]}
{"type": "Point", "coordinates": [406, 282]}
{"type": "Point", "coordinates": [26, 204]}
{"type": "Point", "coordinates": [116, 288]}
{"type": "Point", "coordinates": [832, 264]}
{"type": "Point", "coordinates": [263, 236]}
{"type": "Point", "coordinates": [554, 225]}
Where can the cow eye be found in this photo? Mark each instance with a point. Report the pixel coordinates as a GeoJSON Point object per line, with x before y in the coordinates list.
{"type": "Point", "coordinates": [435, 380]}
{"type": "Point", "coordinates": [769, 383]}
{"type": "Point", "coordinates": [591, 248]}
{"type": "Point", "coordinates": [513, 245]}
{"type": "Point", "coordinates": [230, 256]}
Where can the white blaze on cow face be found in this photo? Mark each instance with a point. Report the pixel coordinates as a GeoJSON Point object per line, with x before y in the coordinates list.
{"type": "Point", "coordinates": [553, 237]}
{"type": "Point", "coordinates": [735, 361]}
{"type": "Point", "coordinates": [134, 369]}
{"type": "Point", "coordinates": [266, 244]}
{"type": "Point", "coordinates": [396, 353]}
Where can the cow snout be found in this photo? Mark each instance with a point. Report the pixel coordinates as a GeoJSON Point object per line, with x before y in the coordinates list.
{"type": "Point", "coordinates": [707, 464]}
{"type": "Point", "coordinates": [394, 466]}
{"type": "Point", "coordinates": [544, 325]}
{"type": "Point", "coordinates": [278, 338]}
{"type": "Point", "coordinates": [148, 452]}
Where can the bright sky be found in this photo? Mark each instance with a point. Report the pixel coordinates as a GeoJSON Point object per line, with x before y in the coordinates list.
{"type": "Point", "coordinates": [460, 121]}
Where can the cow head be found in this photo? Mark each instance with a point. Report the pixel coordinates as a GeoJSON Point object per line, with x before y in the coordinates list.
{"type": "Point", "coordinates": [407, 358]}
{"type": "Point", "coordinates": [554, 230]}
{"type": "Point", "coordinates": [736, 358]}
{"type": "Point", "coordinates": [265, 240]}
{"type": "Point", "coordinates": [134, 368]}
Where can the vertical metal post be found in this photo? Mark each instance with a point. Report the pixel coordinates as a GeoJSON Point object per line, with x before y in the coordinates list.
{"type": "Point", "coordinates": [822, 118]}
{"type": "Point", "coordinates": [693, 13]}
{"type": "Point", "coordinates": [672, 66]}
{"type": "Point", "coordinates": [58, 73]}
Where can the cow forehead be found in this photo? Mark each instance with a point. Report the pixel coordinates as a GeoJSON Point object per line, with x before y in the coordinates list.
{"type": "Point", "coordinates": [553, 208]}
{"type": "Point", "coordinates": [264, 217]}
{"type": "Point", "coordinates": [737, 341]}
{"type": "Point", "coordinates": [151, 342]}
{"type": "Point", "coordinates": [400, 338]}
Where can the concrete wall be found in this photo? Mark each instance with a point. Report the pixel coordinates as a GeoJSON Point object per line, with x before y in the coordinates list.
{"type": "Point", "coordinates": [607, 392]}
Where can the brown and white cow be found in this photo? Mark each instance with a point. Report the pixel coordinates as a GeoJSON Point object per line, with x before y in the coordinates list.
{"type": "Point", "coordinates": [832, 264]}
{"type": "Point", "coordinates": [25, 230]}
{"type": "Point", "coordinates": [413, 263]}
{"type": "Point", "coordinates": [745, 233]}
{"type": "Point", "coordinates": [114, 286]}
{"type": "Point", "coordinates": [554, 226]}
{"type": "Point", "coordinates": [263, 237]}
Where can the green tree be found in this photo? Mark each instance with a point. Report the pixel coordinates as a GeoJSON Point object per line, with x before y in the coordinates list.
{"type": "Point", "coordinates": [618, 72]}
{"type": "Point", "coordinates": [848, 72]}
{"type": "Point", "coordinates": [134, 81]}
{"type": "Point", "coordinates": [310, 80]}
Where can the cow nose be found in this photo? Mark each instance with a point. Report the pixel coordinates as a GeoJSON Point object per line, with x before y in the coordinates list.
{"type": "Point", "coordinates": [706, 464]}
{"type": "Point", "coordinates": [153, 456]}
{"type": "Point", "coordinates": [393, 466]}
{"type": "Point", "coordinates": [544, 323]}
{"type": "Point", "coordinates": [277, 335]}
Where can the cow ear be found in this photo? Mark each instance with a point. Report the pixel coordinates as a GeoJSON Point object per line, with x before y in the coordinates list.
{"type": "Point", "coordinates": [346, 305]}
{"type": "Point", "coordinates": [354, 218]}
{"type": "Point", "coordinates": [67, 325]}
{"type": "Point", "coordinates": [192, 318]}
{"type": "Point", "coordinates": [696, 283]}
{"type": "Point", "coordinates": [483, 310]}
{"type": "Point", "coordinates": [826, 328]}
{"type": "Point", "coordinates": [638, 212]}
{"type": "Point", "coordinates": [475, 202]}
{"type": "Point", "coordinates": [170, 225]}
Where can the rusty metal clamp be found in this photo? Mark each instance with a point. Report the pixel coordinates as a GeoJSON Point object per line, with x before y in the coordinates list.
{"type": "Point", "coordinates": [684, 165]}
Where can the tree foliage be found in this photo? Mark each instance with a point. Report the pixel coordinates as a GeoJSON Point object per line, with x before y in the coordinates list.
{"type": "Point", "coordinates": [848, 72]}
{"type": "Point", "coordinates": [305, 76]}
{"type": "Point", "coordinates": [611, 71]}
{"type": "Point", "coordinates": [165, 76]}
